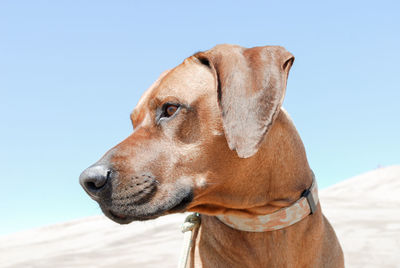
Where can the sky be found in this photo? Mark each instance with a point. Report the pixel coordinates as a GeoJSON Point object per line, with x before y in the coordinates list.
{"type": "Point", "coordinates": [72, 71]}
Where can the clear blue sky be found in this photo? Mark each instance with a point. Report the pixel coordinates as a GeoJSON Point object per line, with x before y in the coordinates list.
{"type": "Point", "coordinates": [72, 71]}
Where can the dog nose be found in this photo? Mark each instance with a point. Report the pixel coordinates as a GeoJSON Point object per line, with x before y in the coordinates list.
{"type": "Point", "coordinates": [94, 178]}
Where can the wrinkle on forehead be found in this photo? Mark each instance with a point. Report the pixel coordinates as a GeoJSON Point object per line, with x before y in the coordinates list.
{"type": "Point", "coordinates": [186, 83]}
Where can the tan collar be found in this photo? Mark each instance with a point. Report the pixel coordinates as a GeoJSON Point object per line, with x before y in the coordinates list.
{"type": "Point", "coordinates": [282, 218]}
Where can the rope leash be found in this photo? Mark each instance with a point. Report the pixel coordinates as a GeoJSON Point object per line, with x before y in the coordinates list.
{"type": "Point", "coordinates": [191, 223]}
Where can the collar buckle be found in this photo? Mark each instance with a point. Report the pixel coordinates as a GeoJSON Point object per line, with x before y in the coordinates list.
{"type": "Point", "coordinates": [310, 199]}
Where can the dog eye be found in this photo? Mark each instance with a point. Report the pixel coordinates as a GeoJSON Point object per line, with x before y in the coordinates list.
{"type": "Point", "coordinates": [169, 109]}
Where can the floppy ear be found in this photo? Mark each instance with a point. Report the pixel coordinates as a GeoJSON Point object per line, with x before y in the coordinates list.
{"type": "Point", "coordinates": [251, 85]}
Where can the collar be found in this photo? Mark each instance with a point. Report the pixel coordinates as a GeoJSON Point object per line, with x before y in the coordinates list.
{"type": "Point", "coordinates": [282, 218]}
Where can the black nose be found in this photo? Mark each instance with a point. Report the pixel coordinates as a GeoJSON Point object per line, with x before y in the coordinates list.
{"type": "Point", "coordinates": [94, 178]}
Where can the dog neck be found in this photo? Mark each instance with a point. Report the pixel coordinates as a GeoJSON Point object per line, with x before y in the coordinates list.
{"type": "Point", "coordinates": [274, 178]}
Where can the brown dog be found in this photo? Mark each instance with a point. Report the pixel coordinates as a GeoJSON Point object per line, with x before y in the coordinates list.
{"type": "Point", "coordinates": [210, 136]}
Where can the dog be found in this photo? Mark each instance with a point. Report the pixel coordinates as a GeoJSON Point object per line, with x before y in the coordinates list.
{"type": "Point", "coordinates": [211, 136]}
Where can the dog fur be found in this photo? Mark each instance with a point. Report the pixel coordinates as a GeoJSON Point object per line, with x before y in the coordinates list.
{"type": "Point", "coordinates": [229, 148]}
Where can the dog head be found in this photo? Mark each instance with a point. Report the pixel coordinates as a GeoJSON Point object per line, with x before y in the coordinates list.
{"type": "Point", "coordinates": [196, 131]}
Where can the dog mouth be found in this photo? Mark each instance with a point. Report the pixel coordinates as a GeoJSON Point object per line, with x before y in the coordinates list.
{"type": "Point", "coordinates": [116, 216]}
{"type": "Point", "coordinates": [149, 211]}
{"type": "Point", "coordinates": [126, 219]}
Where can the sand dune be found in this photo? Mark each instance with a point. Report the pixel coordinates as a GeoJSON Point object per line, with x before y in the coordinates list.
{"type": "Point", "coordinates": [364, 210]}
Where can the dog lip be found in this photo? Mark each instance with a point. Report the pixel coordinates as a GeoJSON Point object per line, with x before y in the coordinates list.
{"type": "Point", "coordinates": [181, 206]}
{"type": "Point", "coordinates": [121, 219]}
{"type": "Point", "coordinates": [118, 216]}
{"type": "Point", "coordinates": [125, 219]}
{"type": "Point", "coordinates": [178, 206]}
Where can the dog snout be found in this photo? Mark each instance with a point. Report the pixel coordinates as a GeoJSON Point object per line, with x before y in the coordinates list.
{"type": "Point", "coordinates": [94, 179]}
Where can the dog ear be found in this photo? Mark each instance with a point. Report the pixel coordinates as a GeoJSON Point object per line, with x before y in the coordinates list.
{"type": "Point", "coordinates": [251, 85]}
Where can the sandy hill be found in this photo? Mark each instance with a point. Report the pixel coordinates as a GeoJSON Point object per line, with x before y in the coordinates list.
{"type": "Point", "coordinates": [364, 210]}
